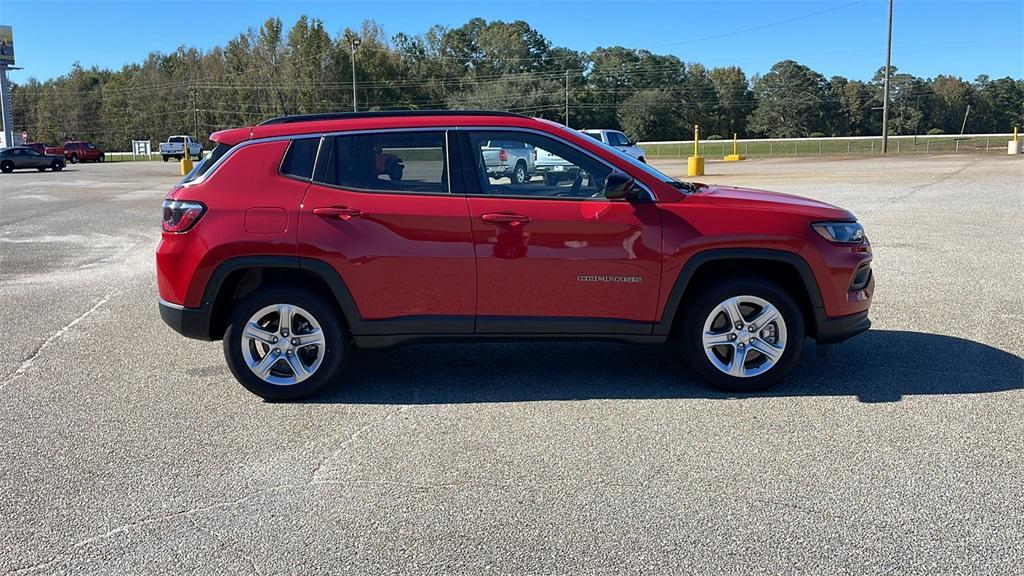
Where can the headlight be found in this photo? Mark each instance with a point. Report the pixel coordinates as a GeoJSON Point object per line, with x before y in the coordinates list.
{"type": "Point", "coordinates": [848, 232]}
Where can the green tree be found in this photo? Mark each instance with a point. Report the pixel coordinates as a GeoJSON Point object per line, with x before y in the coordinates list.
{"type": "Point", "coordinates": [790, 101]}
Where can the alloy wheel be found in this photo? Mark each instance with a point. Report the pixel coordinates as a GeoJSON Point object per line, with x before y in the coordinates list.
{"type": "Point", "coordinates": [283, 344]}
{"type": "Point", "coordinates": [744, 336]}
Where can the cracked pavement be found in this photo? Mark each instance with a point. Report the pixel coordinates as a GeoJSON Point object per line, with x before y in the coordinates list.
{"type": "Point", "coordinates": [126, 449]}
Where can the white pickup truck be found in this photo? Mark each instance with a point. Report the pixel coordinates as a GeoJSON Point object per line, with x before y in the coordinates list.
{"type": "Point", "coordinates": [175, 148]}
{"type": "Point", "coordinates": [618, 140]}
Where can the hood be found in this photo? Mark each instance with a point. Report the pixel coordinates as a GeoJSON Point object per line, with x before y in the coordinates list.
{"type": "Point", "coordinates": [774, 201]}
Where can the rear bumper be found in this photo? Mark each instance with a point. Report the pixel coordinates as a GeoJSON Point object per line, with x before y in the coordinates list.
{"type": "Point", "coordinates": [836, 330]}
{"type": "Point", "coordinates": [189, 322]}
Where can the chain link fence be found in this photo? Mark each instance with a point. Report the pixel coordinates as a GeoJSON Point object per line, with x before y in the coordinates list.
{"type": "Point", "coordinates": [838, 146]}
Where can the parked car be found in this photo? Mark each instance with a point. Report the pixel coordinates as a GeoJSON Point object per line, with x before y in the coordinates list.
{"type": "Point", "coordinates": [288, 245]}
{"type": "Point", "coordinates": [513, 160]}
{"type": "Point", "coordinates": [44, 149]}
{"type": "Point", "coordinates": [176, 145]}
{"type": "Point", "coordinates": [17, 157]}
{"type": "Point", "coordinates": [82, 151]}
{"type": "Point", "coordinates": [619, 141]}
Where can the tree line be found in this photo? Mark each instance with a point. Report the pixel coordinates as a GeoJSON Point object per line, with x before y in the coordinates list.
{"type": "Point", "coordinates": [270, 71]}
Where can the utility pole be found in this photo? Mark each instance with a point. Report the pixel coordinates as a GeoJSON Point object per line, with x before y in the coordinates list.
{"type": "Point", "coordinates": [885, 89]}
{"type": "Point", "coordinates": [195, 112]}
{"type": "Point", "coordinates": [567, 98]}
{"type": "Point", "coordinates": [964, 125]}
{"type": "Point", "coordinates": [354, 43]}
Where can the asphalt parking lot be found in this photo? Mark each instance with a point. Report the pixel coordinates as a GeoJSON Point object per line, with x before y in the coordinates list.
{"type": "Point", "coordinates": [127, 449]}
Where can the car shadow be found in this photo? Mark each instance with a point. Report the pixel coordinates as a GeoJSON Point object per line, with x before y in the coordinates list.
{"type": "Point", "coordinates": [877, 366]}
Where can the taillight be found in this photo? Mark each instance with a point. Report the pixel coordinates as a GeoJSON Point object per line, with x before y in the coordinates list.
{"type": "Point", "coordinates": [502, 155]}
{"type": "Point", "coordinates": [181, 215]}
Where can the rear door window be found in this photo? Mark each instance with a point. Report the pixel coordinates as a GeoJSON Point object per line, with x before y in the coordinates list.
{"type": "Point", "coordinates": [411, 162]}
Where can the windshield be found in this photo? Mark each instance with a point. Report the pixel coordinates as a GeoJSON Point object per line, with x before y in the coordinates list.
{"type": "Point", "coordinates": [636, 163]}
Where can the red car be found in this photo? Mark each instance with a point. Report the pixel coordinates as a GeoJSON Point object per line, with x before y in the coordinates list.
{"type": "Point", "coordinates": [81, 151]}
{"type": "Point", "coordinates": [288, 244]}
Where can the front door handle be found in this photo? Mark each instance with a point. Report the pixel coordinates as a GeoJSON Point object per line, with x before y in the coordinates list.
{"type": "Point", "coordinates": [339, 212]}
{"type": "Point", "coordinates": [505, 219]}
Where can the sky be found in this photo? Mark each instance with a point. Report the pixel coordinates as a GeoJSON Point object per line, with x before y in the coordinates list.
{"type": "Point", "coordinates": [843, 37]}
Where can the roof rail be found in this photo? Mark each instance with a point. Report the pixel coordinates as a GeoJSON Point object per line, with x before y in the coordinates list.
{"type": "Point", "coordinates": [382, 114]}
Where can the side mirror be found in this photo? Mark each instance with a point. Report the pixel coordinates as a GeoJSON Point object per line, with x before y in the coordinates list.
{"type": "Point", "coordinates": [619, 186]}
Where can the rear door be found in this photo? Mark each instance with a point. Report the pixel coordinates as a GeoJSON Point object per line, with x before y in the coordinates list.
{"type": "Point", "coordinates": [399, 238]}
{"type": "Point", "coordinates": [554, 255]}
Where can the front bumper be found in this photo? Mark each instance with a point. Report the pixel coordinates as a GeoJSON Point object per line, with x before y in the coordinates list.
{"type": "Point", "coordinates": [836, 330]}
{"type": "Point", "coordinates": [189, 322]}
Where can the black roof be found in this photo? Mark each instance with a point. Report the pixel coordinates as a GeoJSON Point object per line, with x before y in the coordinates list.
{"type": "Point", "coordinates": [382, 114]}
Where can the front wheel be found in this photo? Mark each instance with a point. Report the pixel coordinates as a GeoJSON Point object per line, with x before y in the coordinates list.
{"type": "Point", "coordinates": [165, 157]}
{"type": "Point", "coordinates": [6, 166]}
{"type": "Point", "coordinates": [74, 158]}
{"type": "Point", "coordinates": [284, 343]}
{"type": "Point", "coordinates": [743, 335]}
{"type": "Point", "coordinates": [102, 158]}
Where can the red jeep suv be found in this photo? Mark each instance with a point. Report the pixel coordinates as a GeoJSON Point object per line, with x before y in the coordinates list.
{"type": "Point", "coordinates": [291, 245]}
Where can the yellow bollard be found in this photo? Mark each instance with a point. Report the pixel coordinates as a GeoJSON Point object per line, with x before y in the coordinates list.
{"type": "Point", "coordinates": [735, 156]}
{"type": "Point", "coordinates": [1013, 146]}
{"type": "Point", "coordinates": [186, 161]}
{"type": "Point", "coordinates": [695, 163]}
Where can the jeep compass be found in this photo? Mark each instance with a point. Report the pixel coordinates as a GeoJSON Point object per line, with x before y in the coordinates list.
{"type": "Point", "coordinates": [300, 238]}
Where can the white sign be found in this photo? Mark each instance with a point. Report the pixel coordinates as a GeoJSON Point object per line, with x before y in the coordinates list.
{"type": "Point", "coordinates": [140, 148]}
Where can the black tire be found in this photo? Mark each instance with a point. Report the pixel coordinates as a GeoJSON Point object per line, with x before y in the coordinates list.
{"type": "Point", "coordinates": [692, 328]}
{"type": "Point", "coordinates": [102, 158]}
{"type": "Point", "coordinates": [518, 175]}
{"type": "Point", "coordinates": [395, 172]}
{"type": "Point", "coordinates": [165, 157]}
{"type": "Point", "coordinates": [56, 166]}
{"type": "Point", "coordinates": [6, 166]}
{"type": "Point", "coordinates": [335, 348]}
{"type": "Point", "coordinates": [74, 158]}
{"type": "Point", "coordinates": [550, 180]}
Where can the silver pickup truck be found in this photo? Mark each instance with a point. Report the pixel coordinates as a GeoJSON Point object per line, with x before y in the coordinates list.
{"type": "Point", "coordinates": [514, 160]}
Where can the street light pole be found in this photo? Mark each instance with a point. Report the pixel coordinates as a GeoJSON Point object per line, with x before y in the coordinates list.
{"type": "Point", "coordinates": [354, 43]}
{"type": "Point", "coordinates": [885, 89]}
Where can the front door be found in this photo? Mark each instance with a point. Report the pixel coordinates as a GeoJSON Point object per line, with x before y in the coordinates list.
{"type": "Point", "coordinates": [555, 256]}
{"type": "Point", "coordinates": [380, 211]}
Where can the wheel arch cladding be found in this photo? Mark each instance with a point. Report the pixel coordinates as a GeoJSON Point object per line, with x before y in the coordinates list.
{"type": "Point", "coordinates": [235, 278]}
{"type": "Point", "coordinates": [787, 269]}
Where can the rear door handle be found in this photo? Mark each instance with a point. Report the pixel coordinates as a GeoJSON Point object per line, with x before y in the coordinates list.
{"type": "Point", "coordinates": [339, 212]}
{"type": "Point", "coordinates": [506, 219]}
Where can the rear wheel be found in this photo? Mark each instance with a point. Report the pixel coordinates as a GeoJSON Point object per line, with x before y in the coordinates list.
{"type": "Point", "coordinates": [6, 166]}
{"type": "Point", "coordinates": [102, 158]}
{"type": "Point", "coordinates": [743, 335]}
{"type": "Point", "coordinates": [519, 173]}
{"type": "Point", "coordinates": [56, 165]}
{"type": "Point", "coordinates": [284, 343]}
{"type": "Point", "coordinates": [395, 172]}
{"type": "Point", "coordinates": [165, 157]}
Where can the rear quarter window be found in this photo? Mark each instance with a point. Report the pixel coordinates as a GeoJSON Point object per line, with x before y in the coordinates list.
{"type": "Point", "coordinates": [299, 159]}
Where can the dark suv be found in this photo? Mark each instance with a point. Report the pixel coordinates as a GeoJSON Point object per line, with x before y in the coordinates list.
{"type": "Point", "coordinates": [291, 245]}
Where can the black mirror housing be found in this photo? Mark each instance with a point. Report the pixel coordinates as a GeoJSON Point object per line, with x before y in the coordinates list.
{"type": "Point", "coordinates": [619, 186]}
